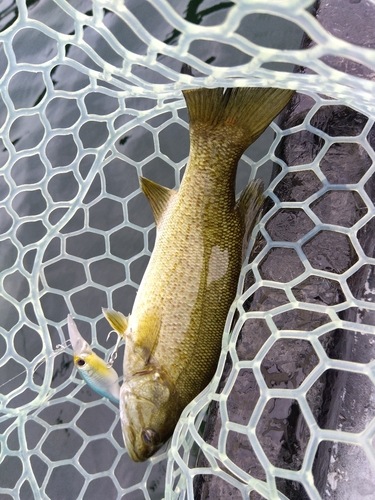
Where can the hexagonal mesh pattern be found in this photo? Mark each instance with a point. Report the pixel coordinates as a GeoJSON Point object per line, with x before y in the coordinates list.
{"type": "Point", "coordinates": [91, 99]}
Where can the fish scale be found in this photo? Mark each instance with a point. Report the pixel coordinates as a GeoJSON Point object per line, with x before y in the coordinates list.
{"type": "Point", "coordinates": [173, 335]}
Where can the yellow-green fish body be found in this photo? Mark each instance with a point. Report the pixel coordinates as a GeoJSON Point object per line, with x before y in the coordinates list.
{"type": "Point", "coordinates": [173, 335]}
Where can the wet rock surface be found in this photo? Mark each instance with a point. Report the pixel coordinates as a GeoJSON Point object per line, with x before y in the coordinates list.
{"type": "Point", "coordinates": [338, 399]}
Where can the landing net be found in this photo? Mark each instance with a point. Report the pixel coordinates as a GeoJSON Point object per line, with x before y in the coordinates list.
{"type": "Point", "coordinates": [91, 99]}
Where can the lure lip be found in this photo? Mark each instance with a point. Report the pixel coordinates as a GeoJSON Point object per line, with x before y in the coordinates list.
{"type": "Point", "coordinates": [79, 344]}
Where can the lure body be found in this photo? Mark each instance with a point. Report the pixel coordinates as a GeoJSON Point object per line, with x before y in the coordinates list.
{"type": "Point", "coordinates": [93, 369]}
{"type": "Point", "coordinates": [173, 335]}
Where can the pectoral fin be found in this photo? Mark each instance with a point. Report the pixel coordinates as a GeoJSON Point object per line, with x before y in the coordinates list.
{"type": "Point", "coordinates": [158, 196]}
{"type": "Point", "coordinates": [117, 320]}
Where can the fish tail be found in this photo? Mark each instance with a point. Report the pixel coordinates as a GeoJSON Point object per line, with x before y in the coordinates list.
{"type": "Point", "coordinates": [243, 113]}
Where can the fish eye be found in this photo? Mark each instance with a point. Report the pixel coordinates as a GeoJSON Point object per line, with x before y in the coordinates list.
{"type": "Point", "coordinates": [150, 437]}
{"type": "Point", "coordinates": [81, 362]}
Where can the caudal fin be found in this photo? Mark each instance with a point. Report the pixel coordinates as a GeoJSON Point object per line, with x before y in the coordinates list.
{"type": "Point", "coordinates": [246, 111]}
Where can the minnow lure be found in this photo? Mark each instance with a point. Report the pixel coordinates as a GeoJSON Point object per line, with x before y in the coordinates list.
{"type": "Point", "coordinates": [101, 377]}
{"type": "Point", "coordinates": [173, 335]}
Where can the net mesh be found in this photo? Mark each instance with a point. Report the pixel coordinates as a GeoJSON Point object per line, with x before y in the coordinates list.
{"type": "Point", "coordinates": [91, 99]}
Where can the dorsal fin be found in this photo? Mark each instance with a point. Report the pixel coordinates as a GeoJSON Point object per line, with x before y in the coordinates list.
{"type": "Point", "coordinates": [158, 197]}
{"type": "Point", "coordinates": [248, 206]}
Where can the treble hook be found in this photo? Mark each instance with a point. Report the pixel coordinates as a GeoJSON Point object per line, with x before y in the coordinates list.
{"type": "Point", "coordinates": [113, 355]}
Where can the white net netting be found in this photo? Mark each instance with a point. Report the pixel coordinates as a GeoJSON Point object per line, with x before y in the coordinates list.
{"type": "Point", "coordinates": [91, 99]}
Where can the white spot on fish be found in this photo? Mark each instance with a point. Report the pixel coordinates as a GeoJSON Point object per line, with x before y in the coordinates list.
{"type": "Point", "coordinates": [218, 264]}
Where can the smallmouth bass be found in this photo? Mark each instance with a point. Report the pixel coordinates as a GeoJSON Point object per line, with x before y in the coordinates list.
{"type": "Point", "coordinates": [173, 335]}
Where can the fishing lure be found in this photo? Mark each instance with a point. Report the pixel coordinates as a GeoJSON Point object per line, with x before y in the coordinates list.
{"type": "Point", "coordinates": [98, 374]}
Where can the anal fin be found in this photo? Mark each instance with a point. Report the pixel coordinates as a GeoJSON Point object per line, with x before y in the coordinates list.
{"type": "Point", "coordinates": [248, 206]}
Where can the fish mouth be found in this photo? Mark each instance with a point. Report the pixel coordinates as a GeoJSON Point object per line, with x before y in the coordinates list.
{"type": "Point", "coordinates": [129, 435]}
{"type": "Point", "coordinates": [133, 455]}
{"type": "Point", "coordinates": [140, 458]}
{"type": "Point", "coordinates": [126, 431]}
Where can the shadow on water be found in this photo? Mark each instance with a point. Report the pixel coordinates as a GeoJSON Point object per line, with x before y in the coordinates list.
{"type": "Point", "coordinates": [195, 16]}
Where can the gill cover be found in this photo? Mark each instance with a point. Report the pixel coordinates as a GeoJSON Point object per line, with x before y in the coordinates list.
{"type": "Point", "coordinates": [149, 411]}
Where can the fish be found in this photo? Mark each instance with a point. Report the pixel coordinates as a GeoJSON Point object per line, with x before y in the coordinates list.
{"type": "Point", "coordinates": [102, 378]}
{"type": "Point", "coordinates": [174, 332]}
